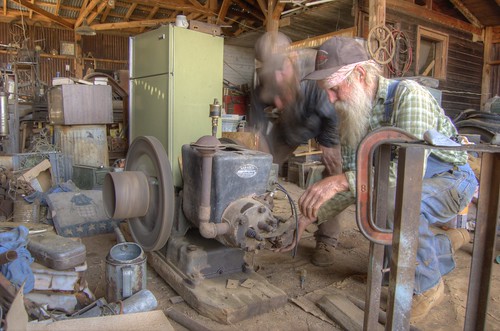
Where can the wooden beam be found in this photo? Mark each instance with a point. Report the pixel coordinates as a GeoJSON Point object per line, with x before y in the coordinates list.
{"type": "Point", "coordinates": [212, 5]}
{"type": "Point", "coordinates": [485, 82]}
{"type": "Point", "coordinates": [376, 13]}
{"type": "Point", "coordinates": [278, 9]}
{"type": "Point", "coordinates": [130, 11]}
{"type": "Point", "coordinates": [196, 4]}
{"type": "Point", "coordinates": [58, 7]}
{"type": "Point", "coordinates": [30, 11]}
{"type": "Point", "coordinates": [319, 40]}
{"type": "Point", "coordinates": [151, 14]}
{"type": "Point", "coordinates": [130, 25]}
{"type": "Point", "coordinates": [84, 13]}
{"type": "Point", "coordinates": [101, 7]}
{"type": "Point", "coordinates": [263, 7]}
{"type": "Point", "coordinates": [105, 14]}
{"type": "Point", "coordinates": [223, 11]}
{"type": "Point", "coordinates": [45, 13]}
{"type": "Point", "coordinates": [4, 7]}
{"type": "Point", "coordinates": [431, 16]}
{"type": "Point", "coordinates": [466, 12]}
{"type": "Point", "coordinates": [272, 23]}
{"type": "Point", "coordinates": [251, 10]}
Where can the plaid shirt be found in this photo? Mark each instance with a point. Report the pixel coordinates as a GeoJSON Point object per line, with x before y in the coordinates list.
{"type": "Point", "coordinates": [415, 111]}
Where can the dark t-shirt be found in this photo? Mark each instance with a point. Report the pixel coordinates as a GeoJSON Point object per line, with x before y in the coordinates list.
{"type": "Point", "coordinates": [312, 116]}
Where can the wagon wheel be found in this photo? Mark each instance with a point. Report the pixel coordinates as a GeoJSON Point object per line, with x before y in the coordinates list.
{"type": "Point", "coordinates": [381, 44]}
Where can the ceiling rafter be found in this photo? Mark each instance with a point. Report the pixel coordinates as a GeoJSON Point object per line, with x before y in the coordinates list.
{"type": "Point", "coordinates": [84, 13]}
{"type": "Point", "coordinates": [45, 13]}
{"type": "Point", "coordinates": [468, 15]}
{"type": "Point", "coordinates": [105, 14]}
{"type": "Point", "coordinates": [100, 9]}
{"type": "Point", "coordinates": [151, 14]}
{"type": "Point", "coordinates": [30, 11]}
{"type": "Point", "coordinates": [223, 11]}
{"type": "Point", "coordinates": [130, 11]}
{"type": "Point", "coordinates": [130, 25]}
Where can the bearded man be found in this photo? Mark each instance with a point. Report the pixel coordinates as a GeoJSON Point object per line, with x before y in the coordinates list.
{"type": "Point", "coordinates": [355, 86]}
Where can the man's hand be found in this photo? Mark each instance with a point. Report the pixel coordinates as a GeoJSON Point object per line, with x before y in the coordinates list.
{"type": "Point", "coordinates": [320, 192]}
{"type": "Point", "coordinates": [303, 223]}
{"type": "Point", "coordinates": [332, 159]}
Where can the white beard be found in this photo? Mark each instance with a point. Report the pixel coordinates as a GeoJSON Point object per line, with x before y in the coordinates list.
{"type": "Point", "coordinates": [354, 115]}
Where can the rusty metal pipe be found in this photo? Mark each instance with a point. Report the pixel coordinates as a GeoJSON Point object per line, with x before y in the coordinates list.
{"type": "Point", "coordinates": [126, 194]}
{"type": "Point", "coordinates": [207, 146]}
{"type": "Point", "coordinates": [8, 256]}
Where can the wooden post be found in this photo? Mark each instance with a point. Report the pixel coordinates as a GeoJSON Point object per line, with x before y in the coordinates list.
{"type": "Point", "coordinates": [486, 81]}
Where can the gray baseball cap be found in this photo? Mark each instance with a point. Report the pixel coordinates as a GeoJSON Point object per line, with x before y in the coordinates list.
{"type": "Point", "coordinates": [335, 53]}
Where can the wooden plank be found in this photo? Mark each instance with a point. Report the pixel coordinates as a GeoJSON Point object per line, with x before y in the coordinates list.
{"type": "Point", "coordinates": [344, 312]}
{"type": "Point", "coordinates": [151, 320]}
{"type": "Point", "coordinates": [432, 16]}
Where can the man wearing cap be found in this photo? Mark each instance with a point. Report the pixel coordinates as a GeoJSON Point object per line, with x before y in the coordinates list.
{"type": "Point", "coordinates": [358, 90]}
{"type": "Point", "coordinates": [288, 111]}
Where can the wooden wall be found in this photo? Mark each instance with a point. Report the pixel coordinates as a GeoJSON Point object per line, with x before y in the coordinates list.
{"type": "Point", "coordinates": [108, 53]}
{"type": "Point", "coordinates": [461, 90]}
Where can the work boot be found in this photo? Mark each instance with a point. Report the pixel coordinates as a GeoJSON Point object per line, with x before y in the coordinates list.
{"type": "Point", "coordinates": [423, 303]}
{"type": "Point", "coordinates": [458, 238]}
{"type": "Point", "coordinates": [323, 254]}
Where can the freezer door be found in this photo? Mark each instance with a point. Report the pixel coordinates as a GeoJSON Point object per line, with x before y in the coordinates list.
{"type": "Point", "coordinates": [149, 53]}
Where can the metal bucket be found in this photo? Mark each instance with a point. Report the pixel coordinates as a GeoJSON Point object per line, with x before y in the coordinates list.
{"type": "Point", "coordinates": [26, 212]}
{"type": "Point", "coordinates": [125, 271]}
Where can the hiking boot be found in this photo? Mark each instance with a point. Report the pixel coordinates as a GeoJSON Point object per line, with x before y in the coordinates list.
{"type": "Point", "coordinates": [458, 238]}
{"type": "Point", "coordinates": [323, 254]}
{"type": "Point", "coordinates": [423, 303]}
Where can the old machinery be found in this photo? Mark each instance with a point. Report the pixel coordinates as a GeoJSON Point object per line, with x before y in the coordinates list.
{"type": "Point", "coordinates": [197, 236]}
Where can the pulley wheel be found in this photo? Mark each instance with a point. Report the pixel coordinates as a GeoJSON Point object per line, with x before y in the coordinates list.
{"type": "Point", "coordinates": [381, 44]}
{"type": "Point", "coordinates": [147, 155]}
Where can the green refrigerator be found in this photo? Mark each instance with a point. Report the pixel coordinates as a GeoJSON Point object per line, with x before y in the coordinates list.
{"type": "Point", "coordinates": [175, 74]}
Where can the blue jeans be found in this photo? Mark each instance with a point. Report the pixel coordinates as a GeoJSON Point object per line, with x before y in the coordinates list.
{"type": "Point", "coordinates": [445, 192]}
{"type": "Point", "coordinates": [444, 195]}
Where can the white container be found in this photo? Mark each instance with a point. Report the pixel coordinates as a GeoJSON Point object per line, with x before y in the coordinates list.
{"type": "Point", "coordinates": [230, 122]}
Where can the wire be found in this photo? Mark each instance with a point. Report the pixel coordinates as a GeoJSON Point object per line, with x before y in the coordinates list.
{"type": "Point", "coordinates": [294, 213]}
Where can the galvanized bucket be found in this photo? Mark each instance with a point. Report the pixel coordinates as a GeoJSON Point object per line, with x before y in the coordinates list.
{"type": "Point", "coordinates": [125, 271]}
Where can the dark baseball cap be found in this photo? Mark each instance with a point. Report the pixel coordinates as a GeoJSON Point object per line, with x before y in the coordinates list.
{"type": "Point", "coordinates": [335, 53]}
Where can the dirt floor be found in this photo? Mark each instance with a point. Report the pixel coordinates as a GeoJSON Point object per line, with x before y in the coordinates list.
{"type": "Point", "coordinates": [347, 276]}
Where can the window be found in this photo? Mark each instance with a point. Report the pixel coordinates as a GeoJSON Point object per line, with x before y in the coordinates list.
{"type": "Point", "coordinates": [432, 53]}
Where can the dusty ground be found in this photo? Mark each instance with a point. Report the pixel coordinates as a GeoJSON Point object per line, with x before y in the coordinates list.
{"type": "Point", "coordinates": [348, 275]}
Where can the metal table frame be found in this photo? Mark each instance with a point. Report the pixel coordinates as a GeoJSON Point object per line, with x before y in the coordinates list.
{"type": "Point", "coordinates": [372, 193]}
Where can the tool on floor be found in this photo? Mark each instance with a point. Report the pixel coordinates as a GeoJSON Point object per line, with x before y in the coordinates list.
{"type": "Point", "coordinates": [303, 274]}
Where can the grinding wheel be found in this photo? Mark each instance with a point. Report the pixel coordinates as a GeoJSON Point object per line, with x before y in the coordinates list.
{"type": "Point", "coordinates": [151, 231]}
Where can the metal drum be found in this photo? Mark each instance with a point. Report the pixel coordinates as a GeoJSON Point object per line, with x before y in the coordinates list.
{"type": "Point", "coordinates": [125, 271]}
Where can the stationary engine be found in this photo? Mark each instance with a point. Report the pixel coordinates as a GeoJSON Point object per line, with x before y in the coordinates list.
{"type": "Point", "coordinates": [235, 206]}
{"type": "Point", "coordinates": [198, 235]}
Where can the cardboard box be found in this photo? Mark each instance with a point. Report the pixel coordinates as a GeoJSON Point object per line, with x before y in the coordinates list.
{"type": "Point", "coordinates": [40, 176]}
